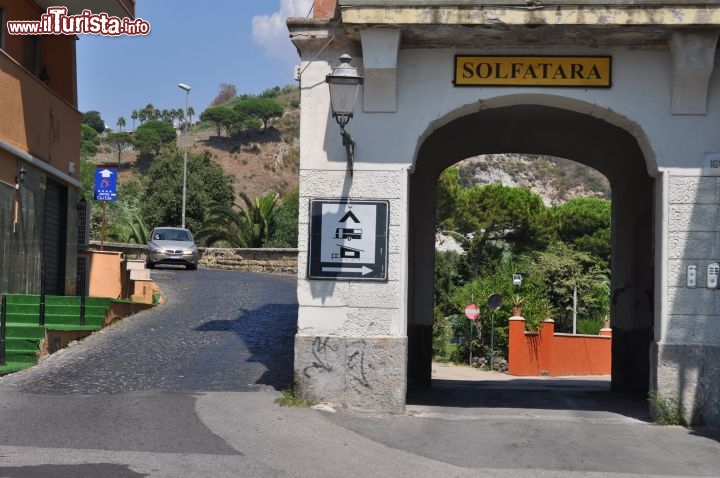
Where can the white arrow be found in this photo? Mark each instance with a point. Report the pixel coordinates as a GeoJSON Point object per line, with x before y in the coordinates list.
{"type": "Point", "coordinates": [364, 270]}
{"type": "Point", "coordinates": [106, 173]}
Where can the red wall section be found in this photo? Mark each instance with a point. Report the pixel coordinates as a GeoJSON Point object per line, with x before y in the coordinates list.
{"type": "Point", "coordinates": [547, 353]}
{"type": "Point", "coordinates": [324, 9]}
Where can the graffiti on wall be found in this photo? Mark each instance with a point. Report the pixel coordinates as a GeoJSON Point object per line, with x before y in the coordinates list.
{"type": "Point", "coordinates": [321, 346]}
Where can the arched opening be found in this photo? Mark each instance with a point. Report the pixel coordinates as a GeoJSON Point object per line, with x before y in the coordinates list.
{"type": "Point", "coordinates": [552, 131]}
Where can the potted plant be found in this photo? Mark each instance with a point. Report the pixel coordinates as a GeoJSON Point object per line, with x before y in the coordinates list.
{"type": "Point", "coordinates": [548, 310]}
{"type": "Point", "coordinates": [517, 301]}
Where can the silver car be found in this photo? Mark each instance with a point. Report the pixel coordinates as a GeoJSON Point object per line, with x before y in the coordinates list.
{"type": "Point", "coordinates": [172, 245]}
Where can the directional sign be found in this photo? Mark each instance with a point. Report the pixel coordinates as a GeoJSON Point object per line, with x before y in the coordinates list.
{"type": "Point", "coordinates": [472, 311]}
{"type": "Point", "coordinates": [105, 183]}
{"type": "Point", "coordinates": [348, 239]}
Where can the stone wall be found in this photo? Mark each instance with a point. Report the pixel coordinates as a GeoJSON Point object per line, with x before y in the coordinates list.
{"type": "Point", "coordinates": [253, 260]}
{"type": "Point", "coordinates": [361, 373]}
{"type": "Point", "coordinates": [689, 350]}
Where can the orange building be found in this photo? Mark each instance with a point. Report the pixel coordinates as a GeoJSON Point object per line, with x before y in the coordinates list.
{"type": "Point", "coordinates": [40, 149]}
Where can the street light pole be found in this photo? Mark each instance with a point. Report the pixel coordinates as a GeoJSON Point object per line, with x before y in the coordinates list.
{"type": "Point", "coordinates": [575, 309]}
{"type": "Point", "coordinates": [185, 87]}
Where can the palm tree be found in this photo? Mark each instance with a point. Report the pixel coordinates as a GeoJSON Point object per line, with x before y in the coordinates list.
{"type": "Point", "coordinates": [134, 116]}
{"type": "Point", "coordinates": [121, 123]}
{"type": "Point", "coordinates": [130, 230]}
{"type": "Point", "coordinates": [259, 213]}
{"type": "Point", "coordinates": [237, 226]}
{"type": "Point", "coordinates": [223, 224]}
{"type": "Point", "coordinates": [177, 114]}
{"type": "Point", "coordinates": [190, 113]}
{"type": "Point", "coordinates": [150, 112]}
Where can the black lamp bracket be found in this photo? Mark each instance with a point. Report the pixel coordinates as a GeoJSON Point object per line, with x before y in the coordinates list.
{"type": "Point", "coordinates": [349, 144]}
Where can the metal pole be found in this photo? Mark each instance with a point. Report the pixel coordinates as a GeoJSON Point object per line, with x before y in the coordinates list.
{"type": "Point", "coordinates": [102, 226]}
{"type": "Point", "coordinates": [492, 341]}
{"type": "Point", "coordinates": [470, 335]}
{"type": "Point", "coordinates": [41, 318]}
{"type": "Point", "coordinates": [82, 306]}
{"type": "Point", "coordinates": [470, 343]}
{"type": "Point", "coordinates": [185, 132]}
{"type": "Point", "coordinates": [3, 322]}
{"type": "Point", "coordinates": [574, 309]}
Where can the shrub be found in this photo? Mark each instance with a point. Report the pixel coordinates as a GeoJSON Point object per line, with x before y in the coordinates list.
{"type": "Point", "coordinates": [590, 326]}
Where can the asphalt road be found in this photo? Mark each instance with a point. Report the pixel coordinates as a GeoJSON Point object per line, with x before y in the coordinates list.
{"type": "Point", "coordinates": [188, 389]}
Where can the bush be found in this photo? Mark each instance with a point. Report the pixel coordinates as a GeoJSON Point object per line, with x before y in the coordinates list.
{"type": "Point", "coordinates": [590, 326]}
{"type": "Point", "coordinates": [442, 332]}
{"type": "Point", "coordinates": [285, 222]}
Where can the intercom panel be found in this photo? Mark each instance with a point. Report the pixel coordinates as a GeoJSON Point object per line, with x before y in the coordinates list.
{"type": "Point", "coordinates": [713, 270]}
{"type": "Point", "coordinates": [692, 275]}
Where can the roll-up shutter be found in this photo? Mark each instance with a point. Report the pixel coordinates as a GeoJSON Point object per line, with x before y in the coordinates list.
{"type": "Point", "coordinates": [54, 238]}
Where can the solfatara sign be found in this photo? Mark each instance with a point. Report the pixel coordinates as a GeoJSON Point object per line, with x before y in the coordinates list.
{"type": "Point", "coordinates": [578, 71]}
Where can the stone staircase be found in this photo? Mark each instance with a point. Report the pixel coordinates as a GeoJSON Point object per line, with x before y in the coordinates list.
{"type": "Point", "coordinates": [62, 313]}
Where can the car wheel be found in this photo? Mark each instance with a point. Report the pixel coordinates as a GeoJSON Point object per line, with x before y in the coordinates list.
{"type": "Point", "coordinates": [150, 264]}
{"type": "Point", "coordinates": [191, 267]}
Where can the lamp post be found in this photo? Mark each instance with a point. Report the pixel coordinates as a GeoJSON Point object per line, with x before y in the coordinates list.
{"type": "Point", "coordinates": [575, 309]}
{"type": "Point", "coordinates": [344, 83]}
{"type": "Point", "coordinates": [20, 177]}
{"type": "Point", "coordinates": [517, 280]}
{"type": "Point", "coordinates": [494, 303]}
{"type": "Point", "coordinates": [185, 87]}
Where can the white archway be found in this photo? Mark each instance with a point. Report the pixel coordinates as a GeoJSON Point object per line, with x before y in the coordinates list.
{"type": "Point", "coordinates": [555, 126]}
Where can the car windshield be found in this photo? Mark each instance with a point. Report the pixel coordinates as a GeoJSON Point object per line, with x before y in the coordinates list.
{"type": "Point", "coordinates": [171, 235]}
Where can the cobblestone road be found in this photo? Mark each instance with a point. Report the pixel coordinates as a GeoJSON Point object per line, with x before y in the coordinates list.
{"type": "Point", "coordinates": [134, 386]}
{"type": "Point", "coordinates": [220, 331]}
{"type": "Point", "coordinates": [187, 390]}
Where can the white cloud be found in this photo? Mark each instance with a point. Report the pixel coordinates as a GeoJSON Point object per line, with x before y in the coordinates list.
{"type": "Point", "coordinates": [270, 31]}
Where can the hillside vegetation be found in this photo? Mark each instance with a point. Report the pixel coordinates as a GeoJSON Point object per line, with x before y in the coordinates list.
{"type": "Point", "coordinates": [260, 161]}
{"type": "Point", "coordinates": [268, 160]}
{"type": "Point", "coordinates": [556, 180]}
{"type": "Point", "coordinates": [254, 141]}
{"type": "Point", "coordinates": [243, 169]}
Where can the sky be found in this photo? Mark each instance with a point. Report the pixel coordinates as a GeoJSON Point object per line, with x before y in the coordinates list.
{"type": "Point", "coordinates": [201, 44]}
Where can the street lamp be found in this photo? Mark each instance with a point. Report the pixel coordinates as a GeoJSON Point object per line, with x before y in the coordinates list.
{"type": "Point", "coordinates": [344, 83]}
{"type": "Point", "coordinates": [185, 87]}
{"type": "Point", "coordinates": [20, 177]}
{"type": "Point", "coordinates": [517, 280]}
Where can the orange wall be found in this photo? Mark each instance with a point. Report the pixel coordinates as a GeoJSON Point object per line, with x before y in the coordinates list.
{"type": "Point", "coordinates": [581, 355]}
{"type": "Point", "coordinates": [8, 168]}
{"type": "Point", "coordinates": [547, 353]}
{"type": "Point", "coordinates": [59, 62]}
{"type": "Point", "coordinates": [55, 53]}
{"type": "Point", "coordinates": [523, 349]}
{"type": "Point", "coordinates": [18, 46]}
{"type": "Point", "coordinates": [35, 120]}
{"type": "Point", "coordinates": [105, 276]}
{"type": "Point", "coordinates": [324, 9]}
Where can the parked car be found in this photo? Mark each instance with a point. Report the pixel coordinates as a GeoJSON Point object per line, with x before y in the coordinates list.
{"type": "Point", "coordinates": [172, 245]}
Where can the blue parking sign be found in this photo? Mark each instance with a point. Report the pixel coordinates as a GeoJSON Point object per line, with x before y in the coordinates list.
{"type": "Point", "coordinates": [105, 183]}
